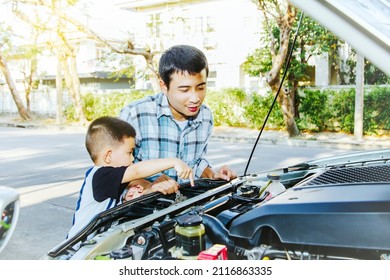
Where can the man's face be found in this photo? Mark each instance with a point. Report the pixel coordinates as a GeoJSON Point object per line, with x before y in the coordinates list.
{"type": "Point", "coordinates": [185, 94]}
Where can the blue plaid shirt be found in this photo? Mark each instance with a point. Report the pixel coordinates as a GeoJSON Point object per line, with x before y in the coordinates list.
{"type": "Point", "coordinates": [159, 136]}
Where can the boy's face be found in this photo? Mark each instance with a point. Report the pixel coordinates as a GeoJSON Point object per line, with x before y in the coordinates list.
{"type": "Point", "coordinates": [185, 94]}
{"type": "Point", "coordinates": [122, 154]}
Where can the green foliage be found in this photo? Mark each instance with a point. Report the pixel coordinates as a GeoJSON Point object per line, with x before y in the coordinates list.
{"type": "Point", "coordinates": [334, 110]}
{"type": "Point", "coordinates": [314, 112]}
{"type": "Point", "coordinates": [107, 104]}
{"type": "Point", "coordinates": [227, 106]}
{"type": "Point", "coordinates": [320, 110]}
{"type": "Point", "coordinates": [372, 74]}
{"type": "Point", "coordinates": [257, 109]}
{"type": "Point", "coordinates": [260, 61]}
{"type": "Point", "coordinates": [377, 112]}
{"type": "Point", "coordinates": [343, 108]}
{"type": "Point", "coordinates": [120, 65]}
{"type": "Point", "coordinates": [313, 39]}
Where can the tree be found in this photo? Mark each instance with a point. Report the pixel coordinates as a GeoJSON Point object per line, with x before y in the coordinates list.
{"type": "Point", "coordinates": [29, 54]}
{"type": "Point", "coordinates": [126, 48]}
{"type": "Point", "coordinates": [66, 46]}
{"type": "Point", "coordinates": [65, 49]}
{"type": "Point", "coordinates": [372, 74]}
{"type": "Point", "coordinates": [11, 85]}
{"type": "Point", "coordinates": [282, 16]}
{"type": "Point", "coordinates": [4, 46]}
{"type": "Point", "coordinates": [280, 20]}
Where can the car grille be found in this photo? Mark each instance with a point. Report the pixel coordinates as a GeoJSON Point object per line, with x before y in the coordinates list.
{"type": "Point", "coordinates": [363, 174]}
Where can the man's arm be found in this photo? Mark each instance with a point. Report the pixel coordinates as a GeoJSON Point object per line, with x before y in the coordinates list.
{"type": "Point", "coordinates": [207, 173]}
{"type": "Point", "coordinates": [224, 173]}
{"type": "Point", "coordinates": [163, 184]}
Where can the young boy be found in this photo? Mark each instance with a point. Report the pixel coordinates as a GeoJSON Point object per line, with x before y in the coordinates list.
{"type": "Point", "coordinates": [110, 143]}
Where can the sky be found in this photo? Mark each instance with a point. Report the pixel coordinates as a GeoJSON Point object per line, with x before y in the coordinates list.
{"type": "Point", "coordinates": [105, 18]}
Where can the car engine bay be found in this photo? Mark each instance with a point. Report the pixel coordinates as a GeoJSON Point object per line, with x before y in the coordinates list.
{"type": "Point", "coordinates": [336, 208]}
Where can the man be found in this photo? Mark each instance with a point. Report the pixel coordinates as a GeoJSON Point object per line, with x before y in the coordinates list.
{"type": "Point", "coordinates": [175, 123]}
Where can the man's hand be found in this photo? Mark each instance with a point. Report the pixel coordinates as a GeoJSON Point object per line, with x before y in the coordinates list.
{"type": "Point", "coordinates": [134, 191]}
{"type": "Point", "coordinates": [225, 173]}
{"type": "Point", "coordinates": [163, 184]}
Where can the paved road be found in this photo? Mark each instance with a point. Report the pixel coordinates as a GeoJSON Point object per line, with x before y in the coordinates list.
{"type": "Point", "coordinates": [47, 168]}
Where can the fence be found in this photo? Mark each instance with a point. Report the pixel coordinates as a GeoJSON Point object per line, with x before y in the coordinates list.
{"type": "Point", "coordinates": [43, 102]}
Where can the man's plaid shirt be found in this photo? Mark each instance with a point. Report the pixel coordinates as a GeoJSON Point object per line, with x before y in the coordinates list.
{"type": "Point", "coordinates": [159, 136]}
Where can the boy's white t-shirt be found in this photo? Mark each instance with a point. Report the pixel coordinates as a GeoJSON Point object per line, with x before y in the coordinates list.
{"type": "Point", "coordinates": [101, 190]}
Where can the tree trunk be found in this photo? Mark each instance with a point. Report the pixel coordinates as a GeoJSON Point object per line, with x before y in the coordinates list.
{"type": "Point", "coordinates": [11, 85]}
{"type": "Point", "coordinates": [286, 100]}
{"type": "Point", "coordinates": [30, 81]}
{"type": "Point", "coordinates": [279, 55]}
{"type": "Point", "coordinates": [73, 85]}
{"type": "Point", "coordinates": [28, 103]}
{"type": "Point", "coordinates": [59, 92]}
{"type": "Point", "coordinates": [288, 108]}
{"type": "Point", "coordinates": [68, 83]}
{"type": "Point", "coordinates": [76, 89]}
{"type": "Point", "coordinates": [287, 104]}
{"type": "Point", "coordinates": [72, 81]}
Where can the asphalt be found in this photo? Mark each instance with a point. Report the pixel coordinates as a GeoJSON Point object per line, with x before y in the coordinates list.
{"type": "Point", "coordinates": [237, 134]}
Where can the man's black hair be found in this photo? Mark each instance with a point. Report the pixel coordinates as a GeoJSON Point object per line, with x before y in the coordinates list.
{"type": "Point", "coordinates": [181, 58]}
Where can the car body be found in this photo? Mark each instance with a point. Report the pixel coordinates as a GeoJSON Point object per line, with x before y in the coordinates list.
{"type": "Point", "coordinates": [9, 209]}
{"type": "Point", "coordinates": [334, 208]}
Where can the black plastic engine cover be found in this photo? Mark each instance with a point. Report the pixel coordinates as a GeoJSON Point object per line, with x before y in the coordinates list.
{"type": "Point", "coordinates": [353, 215]}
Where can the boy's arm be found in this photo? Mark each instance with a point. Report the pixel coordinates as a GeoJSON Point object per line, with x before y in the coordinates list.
{"type": "Point", "coordinates": [147, 168]}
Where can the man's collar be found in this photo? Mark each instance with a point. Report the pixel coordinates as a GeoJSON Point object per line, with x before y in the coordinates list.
{"type": "Point", "coordinates": [163, 108]}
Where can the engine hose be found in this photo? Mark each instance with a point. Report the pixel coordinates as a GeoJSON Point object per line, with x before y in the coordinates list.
{"type": "Point", "coordinates": [217, 232]}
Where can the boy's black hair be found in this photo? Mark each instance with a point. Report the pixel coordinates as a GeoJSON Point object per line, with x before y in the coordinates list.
{"type": "Point", "coordinates": [181, 58]}
{"type": "Point", "coordinates": [106, 131]}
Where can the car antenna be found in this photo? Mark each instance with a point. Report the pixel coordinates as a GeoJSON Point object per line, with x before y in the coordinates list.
{"type": "Point", "coordinates": [276, 95]}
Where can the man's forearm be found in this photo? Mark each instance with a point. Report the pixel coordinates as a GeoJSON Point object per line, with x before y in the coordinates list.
{"type": "Point", "coordinates": [208, 173]}
{"type": "Point", "coordinates": [144, 183]}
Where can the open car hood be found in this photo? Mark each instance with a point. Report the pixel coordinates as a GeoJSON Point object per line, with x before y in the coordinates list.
{"type": "Point", "coordinates": [364, 24]}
